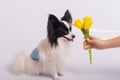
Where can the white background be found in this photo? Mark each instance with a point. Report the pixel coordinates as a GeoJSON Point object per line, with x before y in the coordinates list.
{"type": "Point", "coordinates": [23, 24]}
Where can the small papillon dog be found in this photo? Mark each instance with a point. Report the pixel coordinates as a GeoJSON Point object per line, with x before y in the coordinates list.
{"type": "Point", "coordinates": [49, 55]}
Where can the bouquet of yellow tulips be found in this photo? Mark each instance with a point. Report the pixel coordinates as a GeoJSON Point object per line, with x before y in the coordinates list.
{"type": "Point", "coordinates": [84, 25]}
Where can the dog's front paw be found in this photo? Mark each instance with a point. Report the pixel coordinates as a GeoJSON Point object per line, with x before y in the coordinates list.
{"type": "Point", "coordinates": [60, 73]}
{"type": "Point", "coordinates": [56, 79]}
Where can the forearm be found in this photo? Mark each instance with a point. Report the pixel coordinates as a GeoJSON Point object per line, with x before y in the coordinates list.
{"type": "Point", "coordinates": [112, 43]}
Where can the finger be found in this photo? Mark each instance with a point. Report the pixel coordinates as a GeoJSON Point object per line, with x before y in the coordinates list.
{"type": "Point", "coordinates": [85, 45]}
{"type": "Point", "coordinates": [93, 47]}
{"type": "Point", "coordinates": [92, 37]}
{"type": "Point", "coordinates": [91, 41]}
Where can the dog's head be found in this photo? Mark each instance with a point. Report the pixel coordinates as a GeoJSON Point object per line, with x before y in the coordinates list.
{"type": "Point", "coordinates": [60, 28]}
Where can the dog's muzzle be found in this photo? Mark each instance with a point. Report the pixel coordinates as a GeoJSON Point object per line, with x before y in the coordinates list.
{"type": "Point", "coordinates": [70, 39]}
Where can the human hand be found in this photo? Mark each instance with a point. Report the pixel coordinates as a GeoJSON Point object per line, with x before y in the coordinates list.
{"type": "Point", "coordinates": [95, 43]}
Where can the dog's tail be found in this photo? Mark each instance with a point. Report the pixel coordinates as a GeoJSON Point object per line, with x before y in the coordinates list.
{"type": "Point", "coordinates": [18, 65]}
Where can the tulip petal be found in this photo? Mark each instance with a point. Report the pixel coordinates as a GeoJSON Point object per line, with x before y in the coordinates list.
{"type": "Point", "coordinates": [78, 23]}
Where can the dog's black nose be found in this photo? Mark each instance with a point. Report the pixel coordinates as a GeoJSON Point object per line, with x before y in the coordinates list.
{"type": "Point", "coordinates": [73, 36]}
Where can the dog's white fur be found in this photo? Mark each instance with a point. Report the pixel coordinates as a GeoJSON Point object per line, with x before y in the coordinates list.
{"type": "Point", "coordinates": [50, 61]}
{"type": "Point", "coordinates": [51, 57]}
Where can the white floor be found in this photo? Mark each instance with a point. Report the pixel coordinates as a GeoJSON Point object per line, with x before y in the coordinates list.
{"type": "Point", "coordinates": [106, 63]}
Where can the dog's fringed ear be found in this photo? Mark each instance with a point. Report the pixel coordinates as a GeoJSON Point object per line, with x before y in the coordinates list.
{"type": "Point", "coordinates": [67, 17]}
{"type": "Point", "coordinates": [53, 23]}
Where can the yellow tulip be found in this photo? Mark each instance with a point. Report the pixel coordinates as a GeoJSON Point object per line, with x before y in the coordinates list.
{"type": "Point", "coordinates": [87, 22]}
{"type": "Point", "coordinates": [85, 25]}
{"type": "Point", "coordinates": [78, 23]}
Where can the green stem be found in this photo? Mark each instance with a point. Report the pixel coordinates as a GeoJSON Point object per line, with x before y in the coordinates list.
{"type": "Point", "coordinates": [86, 34]}
{"type": "Point", "coordinates": [90, 52]}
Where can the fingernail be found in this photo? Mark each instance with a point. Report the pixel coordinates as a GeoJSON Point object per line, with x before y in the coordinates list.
{"type": "Point", "coordinates": [86, 47]}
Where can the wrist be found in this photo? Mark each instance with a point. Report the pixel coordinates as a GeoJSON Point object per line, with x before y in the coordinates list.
{"type": "Point", "coordinates": [105, 44]}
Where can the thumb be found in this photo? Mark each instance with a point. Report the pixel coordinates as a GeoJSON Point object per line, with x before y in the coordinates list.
{"type": "Point", "coordinates": [90, 40]}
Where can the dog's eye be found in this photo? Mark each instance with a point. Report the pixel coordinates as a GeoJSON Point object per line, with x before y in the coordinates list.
{"type": "Point", "coordinates": [66, 32]}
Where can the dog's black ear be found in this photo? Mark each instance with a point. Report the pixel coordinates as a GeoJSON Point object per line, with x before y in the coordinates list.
{"type": "Point", "coordinates": [53, 23]}
{"type": "Point", "coordinates": [67, 17]}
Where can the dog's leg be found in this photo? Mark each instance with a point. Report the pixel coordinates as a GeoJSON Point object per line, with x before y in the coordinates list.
{"type": "Point", "coordinates": [56, 79]}
{"type": "Point", "coordinates": [54, 74]}
{"type": "Point", "coordinates": [59, 70]}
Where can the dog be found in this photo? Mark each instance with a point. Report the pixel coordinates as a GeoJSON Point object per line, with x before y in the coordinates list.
{"type": "Point", "coordinates": [49, 55]}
